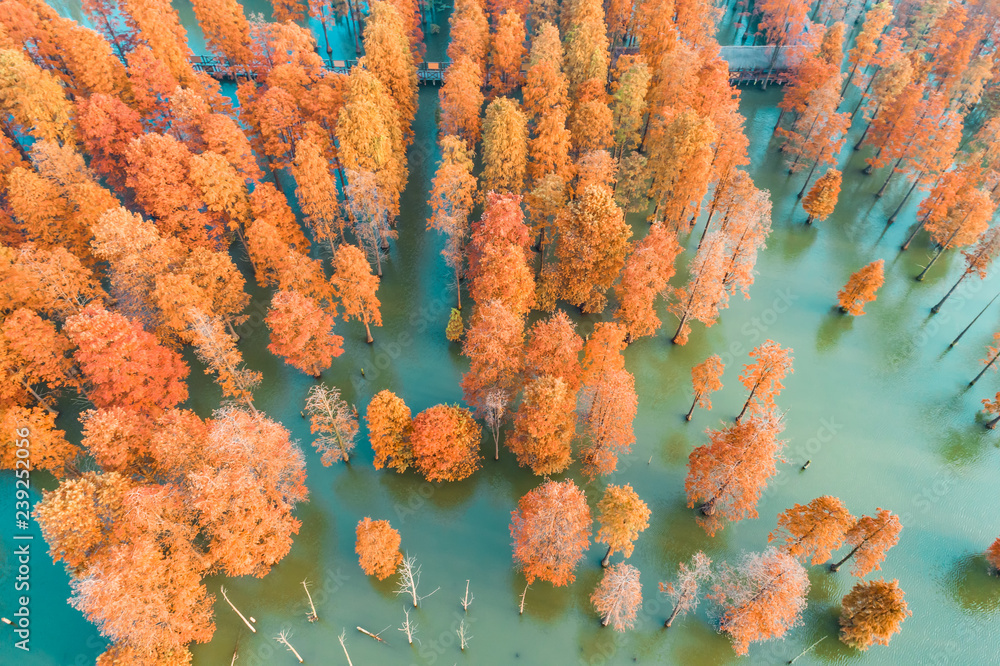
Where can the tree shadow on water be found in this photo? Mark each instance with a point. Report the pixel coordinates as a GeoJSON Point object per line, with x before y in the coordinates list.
{"type": "Point", "coordinates": [833, 326]}
{"type": "Point", "coordinates": [971, 586]}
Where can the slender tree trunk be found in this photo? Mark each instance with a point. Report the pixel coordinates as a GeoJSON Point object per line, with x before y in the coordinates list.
{"type": "Point", "coordinates": [808, 178]}
{"type": "Point", "coordinates": [937, 308]}
{"type": "Point", "coordinates": [916, 180]}
{"type": "Point", "coordinates": [836, 566]}
{"type": "Point", "coordinates": [693, 405]}
{"type": "Point", "coordinates": [326, 38]}
{"type": "Point", "coordinates": [940, 251]}
{"type": "Point", "coordinates": [964, 330]}
{"type": "Point", "coordinates": [850, 77]}
{"type": "Point", "coordinates": [778, 124]}
{"type": "Point", "coordinates": [993, 423]}
{"type": "Point", "coordinates": [39, 398]}
{"type": "Point", "coordinates": [747, 403]}
{"type": "Point", "coordinates": [864, 134]}
{"type": "Point", "coordinates": [606, 560]}
{"type": "Point", "coordinates": [368, 331]}
{"type": "Point", "coordinates": [809, 220]}
{"type": "Point", "coordinates": [864, 96]}
{"type": "Point", "coordinates": [987, 367]}
{"type": "Point", "coordinates": [670, 620]}
{"type": "Point", "coordinates": [906, 245]}
{"type": "Point", "coordinates": [878, 195]}
{"type": "Point", "coordinates": [679, 327]}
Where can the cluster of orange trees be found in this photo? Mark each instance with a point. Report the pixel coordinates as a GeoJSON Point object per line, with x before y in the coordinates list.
{"type": "Point", "coordinates": [130, 183]}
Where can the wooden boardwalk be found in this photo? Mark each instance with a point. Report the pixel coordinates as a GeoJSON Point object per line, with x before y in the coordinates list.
{"type": "Point", "coordinates": [747, 65]}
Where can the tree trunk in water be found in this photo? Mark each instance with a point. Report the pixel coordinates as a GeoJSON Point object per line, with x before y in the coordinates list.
{"type": "Point", "coordinates": [993, 423]}
{"type": "Point", "coordinates": [670, 620]}
{"type": "Point", "coordinates": [708, 508]}
{"type": "Point", "coordinates": [691, 411]}
{"type": "Point", "coordinates": [878, 195]}
{"type": "Point", "coordinates": [368, 330]}
{"type": "Point", "coordinates": [892, 218]}
{"type": "Point", "coordinates": [849, 78]}
{"type": "Point", "coordinates": [778, 124]}
{"type": "Point", "coordinates": [964, 330]}
{"type": "Point", "coordinates": [909, 240]}
{"type": "Point", "coordinates": [607, 558]}
{"type": "Point", "coordinates": [679, 328]}
{"type": "Point", "coordinates": [809, 220]}
{"type": "Point", "coordinates": [836, 566]}
{"type": "Point", "coordinates": [940, 251]}
{"type": "Point", "coordinates": [857, 146]}
{"type": "Point", "coordinates": [983, 371]}
{"type": "Point", "coordinates": [937, 308]}
{"type": "Point", "coordinates": [864, 96]}
{"type": "Point", "coordinates": [808, 178]}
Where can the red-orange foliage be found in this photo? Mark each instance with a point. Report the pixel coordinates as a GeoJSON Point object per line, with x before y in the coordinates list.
{"type": "Point", "coordinates": [705, 291]}
{"type": "Point", "coordinates": [32, 352]}
{"type": "Point", "coordinates": [225, 28]}
{"type": "Point", "coordinates": [544, 426]}
{"type": "Point", "coordinates": [618, 596]}
{"type": "Point", "coordinates": [377, 546]}
{"type": "Point", "coordinates": [685, 592]}
{"type": "Point", "coordinates": [288, 10]}
{"type": "Point", "coordinates": [508, 52]}
{"type": "Point", "coordinates": [217, 350]}
{"type": "Point", "coordinates": [609, 407]}
{"type": "Point", "coordinates": [822, 198]}
{"type": "Point", "coordinates": [34, 430]}
{"type": "Point", "coordinates": [680, 163]}
{"type": "Point", "coordinates": [494, 344]}
{"type": "Point", "coordinates": [992, 407]}
{"type": "Point", "coordinates": [728, 474]}
{"type": "Point", "coordinates": [107, 126]}
{"type": "Point", "coordinates": [861, 287]}
{"type": "Point", "coordinates": [553, 349]}
{"type": "Point", "coordinates": [763, 377]}
{"type": "Point", "coordinates": [551, 532]}
{"type": "Point", "coordinates": [462, 101]}
{"type": "Point", "coordinates": [814, 530]}
{"type": "Point", "coordinates": [706, 379]}
{"type": "Point", "coordinates": [250, 530]}
{"type": "Point", "coordinates": [122, 364]}
{"type": "Point", "coordinates": [993, 554]}
{"type": "Point", "coordinates": [871, 613]}
{"type": "Point", "coordinates": [302, 333]}
{"type": "Point", "coordinates": [470, 32]}
{"type": "Point", "coordinates": [498, 256]}
{"type": "Point", "coordinates": [871, 538]}
{"type": "Point", "coordinates": [761, 598]}
{"type": "Point", "coordinates": [445, 443]}
{"type": "Point", "coordinates": [356, 287]}
{"type": "Point", "coordinates": [645, 276]}
{"type": "Point", "coordinates": [389, 427]}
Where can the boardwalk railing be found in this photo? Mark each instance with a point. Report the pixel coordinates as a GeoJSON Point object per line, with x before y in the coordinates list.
{"type": "Point", "coordinates": [747, 64]}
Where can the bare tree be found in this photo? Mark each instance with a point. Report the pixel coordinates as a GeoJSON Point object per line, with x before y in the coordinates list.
{"type": "Point", "coordinates": [409, 579]}
{"type": "Point", "coordinates": [521, 610]}
{"type": "Point", "coordinates": [494, 413]}
{"type": "Point", "coordinates": [409, 628]}
{"type": "Point", "coordinates": [463, 635]}
{"type": "Point", "coordinates": [467, 599]}
{"type": "Point", "coordinates": [282, 638]}
{"type": "Point", "coordinates": [242, 617]}
{"type": "Point", "coordinates": [312, 616]}
{"type": "Point", "coordinates": [685, 591]}
{"type": "Point", "coordinates": [342, 634]}
{"type": "Point", "coordinates": [334, 420]}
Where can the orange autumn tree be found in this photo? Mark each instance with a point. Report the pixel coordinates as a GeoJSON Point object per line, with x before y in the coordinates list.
{"type": "Point", "coordinates": [871, 538]}
{"type": "Point", "coordinates": [462, 100]}
{"type": "Point", "coordinates": [302, 333]}
{"type": "Point", "coordinates": [107, 125]}
{"type": "Point", "coordinates": [822, 198]}
{"type": "Point", "coordinates": [553, 348]}
{"type": "Point", "coordinates": [317, 193]}
{"type": "Point", "coordinates": [861, 288]}
{"type": "Point", "coordinates": [498, 256]}
{"type": "Point", "coordinates": [813, 530]}
{"type": "Point", "coordinates": [334, 420]}
{"type": "Point", "coordinates": [389, 428]}
{"type": "Point", "coordinates": [123, 365]}
{"type": "Point", "coordinates": [377, 546]}
{"type": "Point", "coordinates": [388, 56]}
{"type": "Point", "coordinates": [217, 350]}
{"type": "Point", "coordinates": [356, 287]}
{"type": "Point", "coordinates": [705, 380]}
{"type": "Point", "coordinates": [977, 261]}
{"type": "Point", "coordinates": [622, 517]}
{"type": "Point", "coordinates": [591, 249]}
{"type": "Point", "coordinates": [645, 276]}
{"type": "Point", "coordinates": [32, 353]}
{"type": "Point", "coordinates": [452, 198]}
{"type": "Point", "coordinates": [727, 475]}
{"type": "Point", "coordinates": [763, 377]}
{"type": "Point", "coordinates": [544, 425]}
{"type": "Point", "coordinates": [762, 597]}
{"type": "Point", "coordinates": [618, 597]}
{"type": "Point", "coordinates": [680, 164]}
{"type": "Point", "coordinates": [49, 449]}
{"type": "Point", "coordinates": [993, 555]}
{"type": "Point", "coordinates": [871, 613]}
{"type": "Point", "coordinates": [508, 52]}
{"type": "Point", "coordinates": [705, 291]}
{"type": "Point", "coordinates": [225, 27]}
{"type": "Point", "coordinates": [505, 147]}
{"type": "Point", "coordinates": [445, 443]}
{"type": "Point", "coordinates": [551, 532]}
{"type": "Point", "coordinates": [960, 225]}
{"type": "Point", "coordinates": [493, 343]}
{"type": "Point", "coordinates": [250, 530]}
